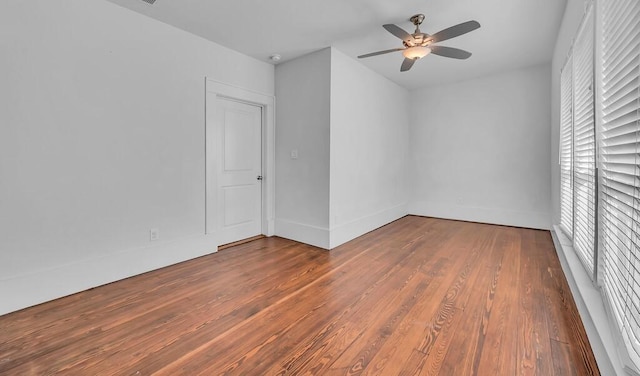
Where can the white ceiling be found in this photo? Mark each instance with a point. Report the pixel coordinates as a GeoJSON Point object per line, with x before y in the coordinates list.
{"type": "Point", "coordinates": [514, 33]}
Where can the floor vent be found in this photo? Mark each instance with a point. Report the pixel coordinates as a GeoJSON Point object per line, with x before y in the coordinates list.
{"type": "Point", "coordinates": [149, 1]}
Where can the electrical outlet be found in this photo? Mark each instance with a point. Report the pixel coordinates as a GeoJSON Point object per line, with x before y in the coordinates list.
{"type": "Point", "coordinates": [154, 234]}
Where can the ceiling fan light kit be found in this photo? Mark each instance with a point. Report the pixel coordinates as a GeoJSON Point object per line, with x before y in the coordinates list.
{"type": "Point", "coordinates": [416, 52]}
{"type": "Point", "coordinates": [419, 44]}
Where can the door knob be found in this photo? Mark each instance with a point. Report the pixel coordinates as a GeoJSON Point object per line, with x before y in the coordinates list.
{"type": "Point", "coordinates": [259, 177]}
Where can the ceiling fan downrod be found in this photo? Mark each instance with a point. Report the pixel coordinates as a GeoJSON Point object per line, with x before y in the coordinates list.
{"type": "Point", "coordinates": [417, 21]}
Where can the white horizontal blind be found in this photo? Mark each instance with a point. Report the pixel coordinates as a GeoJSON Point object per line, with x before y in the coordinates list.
{"type": "Point", "coordinates": [566, 148]}
{"type": "Point", "coordinates": [584, 157]}
{"type": "Point", "coordinates": [620, 193]}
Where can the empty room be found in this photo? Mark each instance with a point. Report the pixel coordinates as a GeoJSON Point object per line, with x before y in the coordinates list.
{"type": "Point", "coordinates": [419, 187]}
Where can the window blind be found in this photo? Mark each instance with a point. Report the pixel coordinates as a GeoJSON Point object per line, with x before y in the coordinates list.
{"type": "Point", "coordinates": [584, 150]}
{"type": "Point", "coordinates": [620, 171]}
{"type": "Point", "coordinates": [566, 147]}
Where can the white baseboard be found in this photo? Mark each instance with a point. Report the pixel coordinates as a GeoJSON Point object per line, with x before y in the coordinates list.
{"type": "Point", "coordinates": [300, 232]}
{"type": "Point", "coordinates": [590, 306]}
{"type": "Point", "coordinates": [537, 220]}
{"type": "Point", "coordinates": [343, 233]}
{"type": "Point", "coordinates": [27, 290]}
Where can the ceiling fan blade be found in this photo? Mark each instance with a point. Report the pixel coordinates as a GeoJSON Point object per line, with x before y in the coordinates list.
{"type": "Point", "coordinates": [398, 32]}
{"type": "Point", "coordinates": [455, 31]}
{"type": "Point", "coordinates": [407, 64]}
{"type": "Point", "coordinates": [380, 53]}
{"type": "Point", "coordinates": [455, 53]}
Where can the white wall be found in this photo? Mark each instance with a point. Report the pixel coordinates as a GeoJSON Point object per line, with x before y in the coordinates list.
{"type": "Point", "coordinates": [350, 128]}
{"type": "Point", "coordinates": [480, 149]}
{"type": "Point", "coordinates": [369, 149]}
{"type": "Point", "coordinates": [101, 139]}
{"type": "Point", "coordinates": [303, 120]}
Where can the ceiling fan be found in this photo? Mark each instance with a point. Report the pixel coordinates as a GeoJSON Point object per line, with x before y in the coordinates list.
{"type": "Point", "coordinates": [419, 44]}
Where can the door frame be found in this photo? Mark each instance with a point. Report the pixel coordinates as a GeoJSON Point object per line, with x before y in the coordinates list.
{"type": "Point", "coordinates": [214, 89]}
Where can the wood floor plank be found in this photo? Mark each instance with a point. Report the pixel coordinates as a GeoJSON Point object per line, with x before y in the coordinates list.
{"type": "Point", "coordinates": [139, 325]}
{"type": "Point", "coordinates": [463, 352]}
{"type": "Point", "coordinates": [562, 366]}
{"type": "Point", "coordinates": [417, 296]}
{"type": "Point", "coordinates": [565, 325]}
{"type": "Point", "coordinates": [395, 281]}
{"type": "Point", "coordinates": [534, 353]}
{"type": "Point", "coordinates": [424, 325]}
{"type": "Point", "coordinates": [496, 359]}
{"type": "Point", "coordinates": [418, 328]}
{"type": "Point", "coordinates": [305, 302]}
{"type": "Point", "coordinates": [390, 316]}
{"type": "Point", "coordinates": [414, 271]}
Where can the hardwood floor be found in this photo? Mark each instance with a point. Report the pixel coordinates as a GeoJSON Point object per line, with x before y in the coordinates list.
{"type": "Point", "coordinates": [418, 296]}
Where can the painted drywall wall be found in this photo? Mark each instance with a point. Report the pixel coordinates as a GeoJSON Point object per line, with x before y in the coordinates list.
{"type": "Point", "coordinates": [369, 149]}
{"type": "Point", "coordinates": [101, 139]}
{"type": "Point", "coordinates": [303, 119]}
{"type": "Point", "coordinates": [480, 149]}
{"type": "Point", "coordinates": [349, 128]}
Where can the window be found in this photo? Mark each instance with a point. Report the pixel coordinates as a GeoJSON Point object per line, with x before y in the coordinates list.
{"type": "Point", "coordinates": [566, 153]}
{"type": "Point", "coordinates": [605, 205]}
{"type": "Point", "coordinates": [620, 166]}
{"type": "Point", "coordinates": [584, 142]}
{"type": "Point", "coordinates": [577, 146]}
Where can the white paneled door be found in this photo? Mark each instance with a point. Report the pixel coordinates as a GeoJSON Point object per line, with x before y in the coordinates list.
{"type": "Point", "coordinates": [238, 148]}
